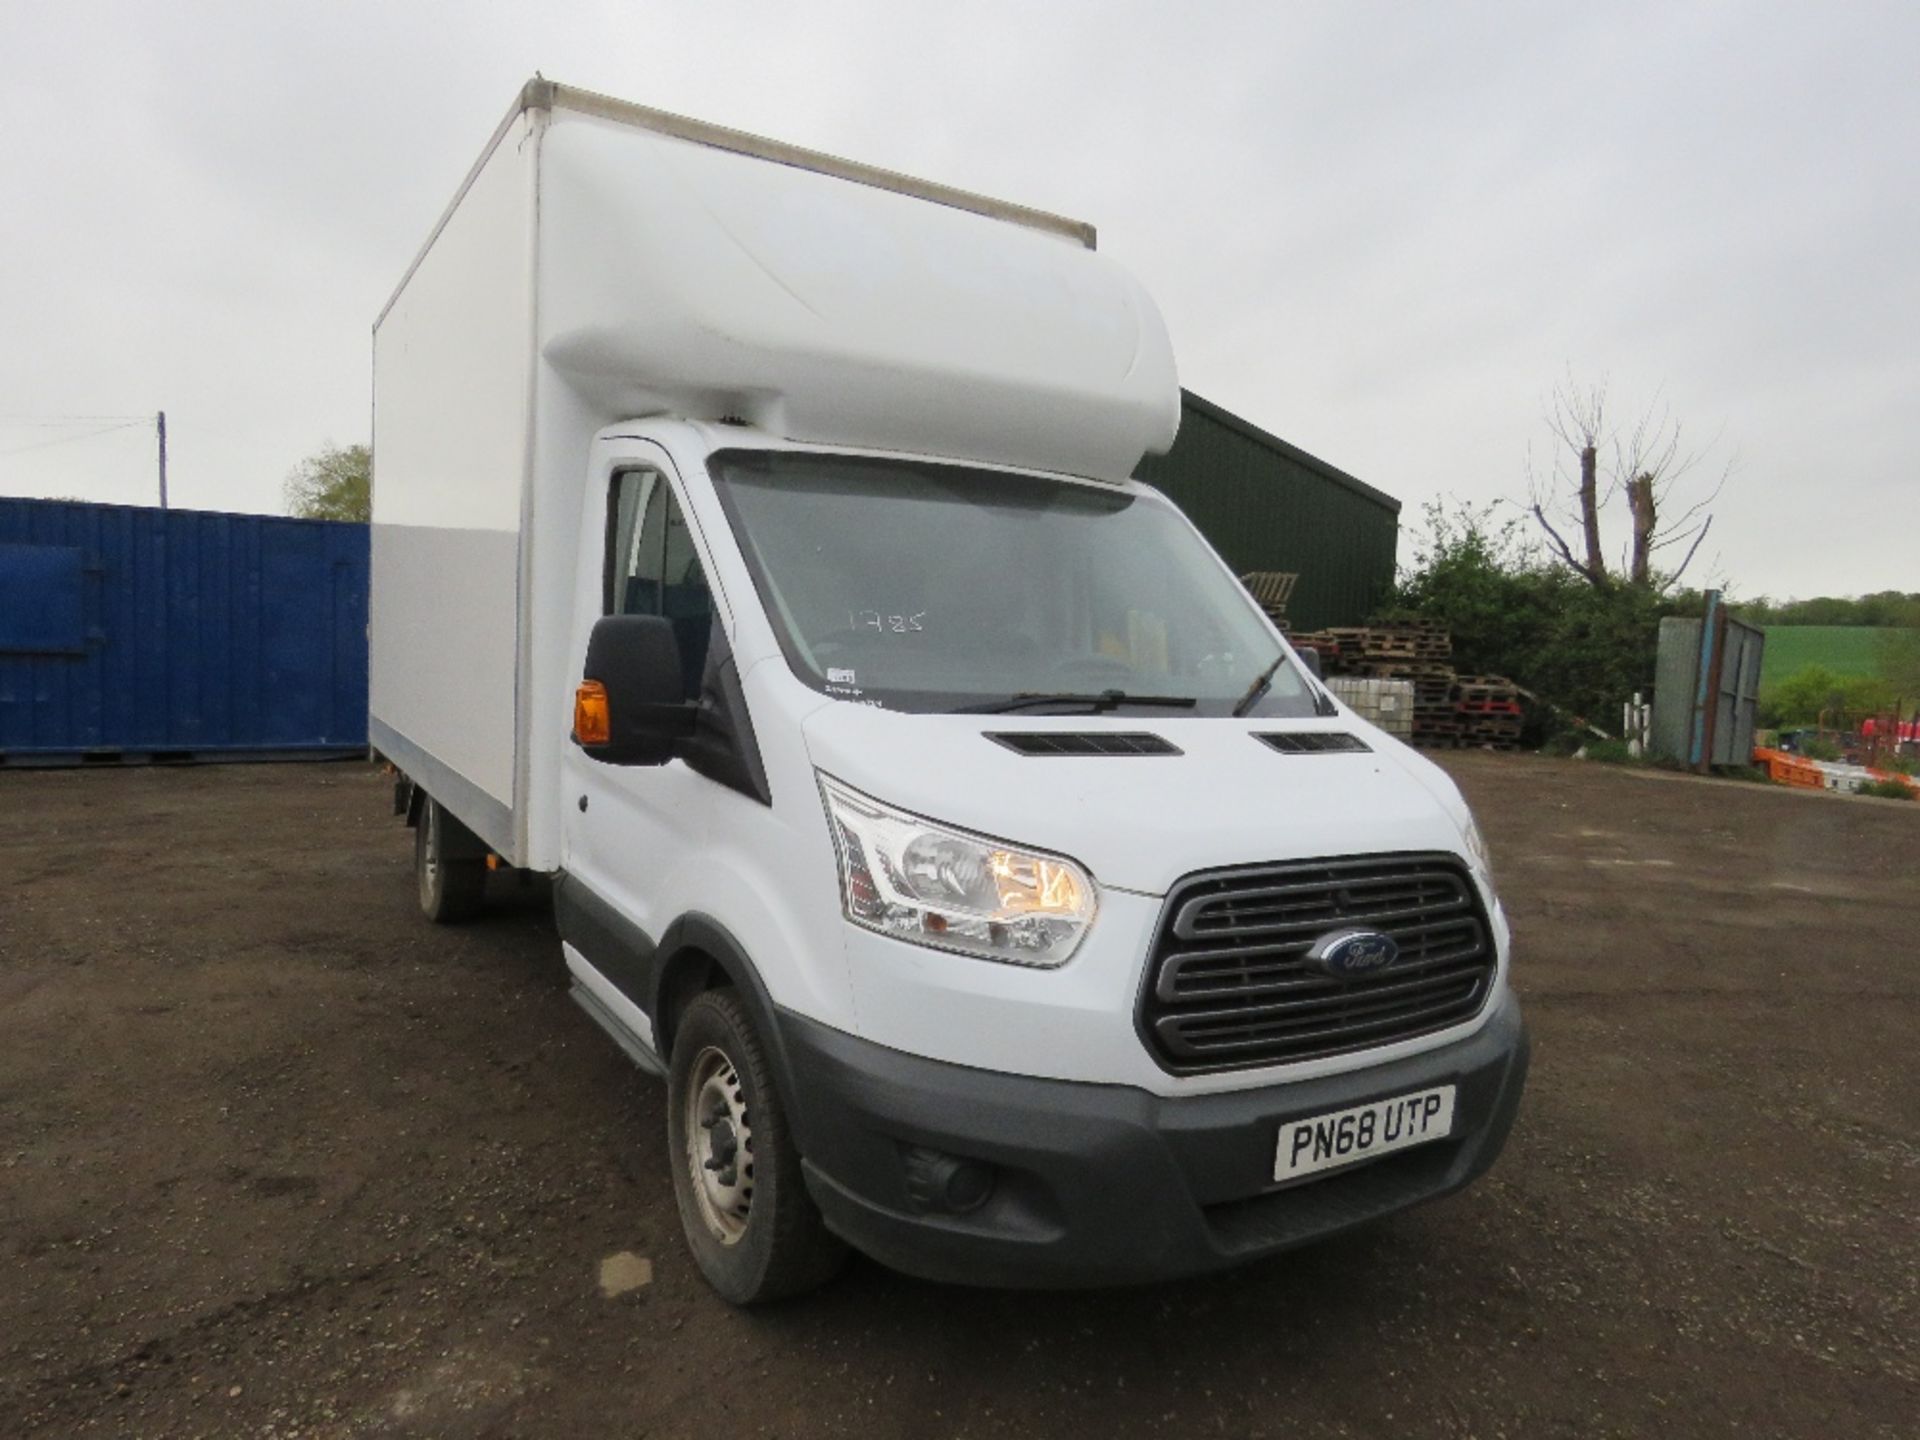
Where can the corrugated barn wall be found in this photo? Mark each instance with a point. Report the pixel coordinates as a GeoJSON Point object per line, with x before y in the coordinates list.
{"type": "Point", "coordinates": [128, 631]}
{"type": "Point", "coordinates": [1268, 505]}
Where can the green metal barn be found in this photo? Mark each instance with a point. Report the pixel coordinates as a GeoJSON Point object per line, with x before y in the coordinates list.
{"type": "Point", "coordinates": [1268, 505]}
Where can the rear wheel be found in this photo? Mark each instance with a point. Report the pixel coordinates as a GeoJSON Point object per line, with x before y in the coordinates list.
{"type": "Point", "coordinates": [452, 881]}
{"type": "Point", "coordinates": [754, 1231]}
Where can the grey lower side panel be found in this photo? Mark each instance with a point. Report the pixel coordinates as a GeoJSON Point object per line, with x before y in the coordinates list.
{"type": "Point", "coordinates": [637, 1051]}
{"type": "Point", "coordinates": [472, 806]}
{"type": "Point", "coordinates": [615, 946]}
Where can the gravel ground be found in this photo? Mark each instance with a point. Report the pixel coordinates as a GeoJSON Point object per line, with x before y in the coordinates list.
{"type": "Point", "coordinates": [277, 1157]}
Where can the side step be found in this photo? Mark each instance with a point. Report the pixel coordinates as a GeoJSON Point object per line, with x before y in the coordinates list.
{"type": "Point", "coordinates": [639, 1052]}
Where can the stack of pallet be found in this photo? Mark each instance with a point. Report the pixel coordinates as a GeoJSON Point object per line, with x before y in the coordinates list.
{"type": "Point", "coordinates": [1402, 642]}
{"type": "Point", "coordinates": [1489, 711]}
{"type": "Point", "coordinates": [1271, 590]}
{"type": "Point", "coordinates": [1449, 710]}
{"type": "Point", "coordinates": [1412, 651]}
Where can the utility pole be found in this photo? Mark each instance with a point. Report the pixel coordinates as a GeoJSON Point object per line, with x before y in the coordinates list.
{"type": "Point", "coordinates": [160, 425]}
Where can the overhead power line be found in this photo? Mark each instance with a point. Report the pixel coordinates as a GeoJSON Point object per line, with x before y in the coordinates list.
{"type": "Point", "coordinates": [65, 419]}
{"type": "Point", "coordinates": [103, 425]}
{"type": "Point", "coordinates": [70, 439]}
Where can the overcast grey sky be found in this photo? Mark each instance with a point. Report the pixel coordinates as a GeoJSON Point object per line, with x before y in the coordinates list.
{"type": "Point", "coordinates": [1382, 231]}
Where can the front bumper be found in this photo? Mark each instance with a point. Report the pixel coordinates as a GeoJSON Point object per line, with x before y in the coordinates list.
{"type": "Point", "coordinates": [1108, 1184]}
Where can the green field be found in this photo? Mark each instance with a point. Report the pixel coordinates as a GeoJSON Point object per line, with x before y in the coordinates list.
{"type": "Point", "coordinates": [1843, 649]}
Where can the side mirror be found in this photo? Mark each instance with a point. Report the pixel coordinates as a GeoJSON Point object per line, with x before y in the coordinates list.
{"type": "Point", "coordinates": [628, 709]}
{"type": "Point", "coordinates": [1310, 658]}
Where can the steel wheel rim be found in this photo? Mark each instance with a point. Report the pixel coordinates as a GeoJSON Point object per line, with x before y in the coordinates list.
{"type": "Point", "coordinates": [719, 1145]}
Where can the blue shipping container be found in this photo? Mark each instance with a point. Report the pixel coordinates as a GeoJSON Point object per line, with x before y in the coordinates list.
{"type": "Point", "coordinates": [127, 630]}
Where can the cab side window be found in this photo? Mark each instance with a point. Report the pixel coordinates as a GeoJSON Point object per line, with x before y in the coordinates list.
{"type": "Point", "coordinates": [654, 569]}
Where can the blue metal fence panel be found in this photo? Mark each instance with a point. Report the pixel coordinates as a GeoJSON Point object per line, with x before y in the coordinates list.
{"type": "Point", "coordinates": [131, 630]}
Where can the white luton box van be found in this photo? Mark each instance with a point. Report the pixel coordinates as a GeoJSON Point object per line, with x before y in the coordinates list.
{"type": "Point", "coordinates": [755, 553]}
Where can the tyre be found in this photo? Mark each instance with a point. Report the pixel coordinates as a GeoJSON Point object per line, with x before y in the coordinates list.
{"type": "Point", "coordinates": [754, 1231]}
{"type": "Point", "coordinates": [452, 881]}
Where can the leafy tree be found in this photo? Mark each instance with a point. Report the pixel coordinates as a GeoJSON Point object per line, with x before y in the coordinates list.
{"type": "Point", "coordinates": [1813, 690]}
{"type": "Point", "coordinates": [1580, 648]}
{"type": "Point", "coordinates": [334, 484]}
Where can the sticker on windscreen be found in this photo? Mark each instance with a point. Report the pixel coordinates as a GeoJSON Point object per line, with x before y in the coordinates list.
{"type": "Point", "coordinates": [886, 624]}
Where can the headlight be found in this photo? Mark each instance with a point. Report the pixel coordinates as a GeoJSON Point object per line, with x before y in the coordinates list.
{"type": "Point", "coordinates": [924, 883]}
{"type": "Point", "coordinates": [1477, 848]}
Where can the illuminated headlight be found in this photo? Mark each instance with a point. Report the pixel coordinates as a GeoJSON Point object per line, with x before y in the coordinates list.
{"type": "Point", "coordinates": [929, 885]}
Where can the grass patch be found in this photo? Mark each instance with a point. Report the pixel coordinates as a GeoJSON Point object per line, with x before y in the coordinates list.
{"type": "Point", "coordinates": [1887, 790]}
{"type": "Point", "coordinates": [1843, 649]}
{"type": "Point", "coordinates": [1610, 752]}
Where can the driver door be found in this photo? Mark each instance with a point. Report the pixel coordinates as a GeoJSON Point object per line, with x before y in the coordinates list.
{"type": "Point", "coordinates": [627, 828]}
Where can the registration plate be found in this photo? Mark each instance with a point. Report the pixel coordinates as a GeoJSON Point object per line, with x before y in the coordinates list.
{"type": "Point", "coordinates": [1346, 1136]}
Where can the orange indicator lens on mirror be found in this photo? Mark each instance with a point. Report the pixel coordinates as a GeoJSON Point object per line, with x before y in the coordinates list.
{"type": "Point", "coordinates": [592, 721]}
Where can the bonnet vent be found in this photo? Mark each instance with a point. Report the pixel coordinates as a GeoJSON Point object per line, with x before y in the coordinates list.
{"type": "Point", "coordinates": [1083, 742]}
{"type": "Point", "coordinates": [1312, 742]}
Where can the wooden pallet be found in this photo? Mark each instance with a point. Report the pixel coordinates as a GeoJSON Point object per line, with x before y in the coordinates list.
{"type": "Point", "coordinates": [1488, 697]}
{"type": "Point", "coordinates": [1505, 727]}
{"type": "Point", "coordinates": [1335, 658]}
{"type": "Point", "coordinates": [1449, 710]}
{"type": "Point", "coordinates": [1271, 590]}
{"type": "Point", "coordinates": [1409, 640]}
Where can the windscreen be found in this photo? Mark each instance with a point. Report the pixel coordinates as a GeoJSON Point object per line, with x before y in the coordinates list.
{"type": "Point", "coordinates": [921, 586]}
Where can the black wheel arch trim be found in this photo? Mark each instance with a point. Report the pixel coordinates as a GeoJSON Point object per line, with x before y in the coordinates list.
{"type": "Point", "coordinates": [702, 934]}
{"type": "Point", "coordinates": [639, 967]}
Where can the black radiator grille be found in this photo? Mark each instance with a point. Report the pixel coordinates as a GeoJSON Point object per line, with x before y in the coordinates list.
{"type": "Point", "coordinates": [1230, 986]}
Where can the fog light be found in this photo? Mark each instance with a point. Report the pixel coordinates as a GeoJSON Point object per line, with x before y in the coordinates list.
{"type": "Point", "coordinates": [946, 1182]}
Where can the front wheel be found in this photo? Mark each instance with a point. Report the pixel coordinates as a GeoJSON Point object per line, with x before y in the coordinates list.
{"type": "Point", "coordinates": [452, 883]}
{"type": "Point", "coordinates": [754, 1231]}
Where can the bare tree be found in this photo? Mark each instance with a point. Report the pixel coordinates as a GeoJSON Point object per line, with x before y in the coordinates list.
{"type": "Point", "coordinates": [1646, 464]}
{"type": "Point", "coordinates": [1578, 419]}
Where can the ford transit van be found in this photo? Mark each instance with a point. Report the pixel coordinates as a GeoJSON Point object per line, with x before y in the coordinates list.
{"type": "Point", "coordinates": [994, 889]}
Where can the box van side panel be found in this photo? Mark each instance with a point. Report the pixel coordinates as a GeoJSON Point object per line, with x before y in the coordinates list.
{"type": "Point", "coordinates": [451, 425]}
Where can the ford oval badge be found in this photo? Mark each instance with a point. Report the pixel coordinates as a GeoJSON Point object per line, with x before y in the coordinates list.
{"type": "Point", "coordinates": [1354, 954]}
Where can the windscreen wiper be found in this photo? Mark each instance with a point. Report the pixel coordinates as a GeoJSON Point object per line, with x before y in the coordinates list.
{"type": "Point", "coordinates": [1261, 683]}
{"type": "Point", "coordinates": [1099, 701]}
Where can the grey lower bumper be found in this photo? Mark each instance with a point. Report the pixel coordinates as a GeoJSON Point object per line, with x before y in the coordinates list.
{"type": "Point", "coordinates": [1104, 1184]}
